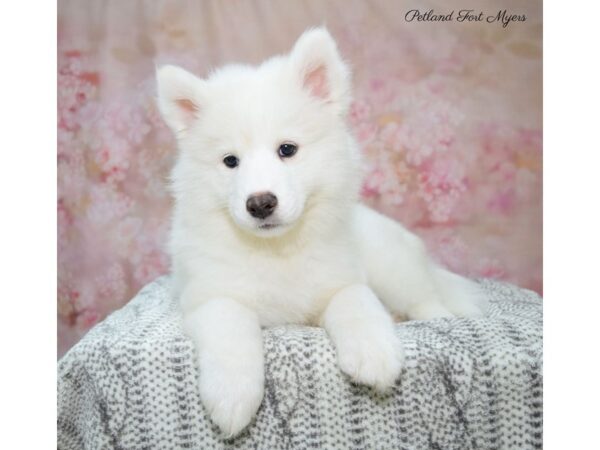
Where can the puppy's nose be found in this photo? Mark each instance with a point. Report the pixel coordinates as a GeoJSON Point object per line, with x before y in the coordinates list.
{"type": "Point", "coordinates": [261, 205]}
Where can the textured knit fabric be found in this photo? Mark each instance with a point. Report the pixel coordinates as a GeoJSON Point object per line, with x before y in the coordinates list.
{"type": "Point", "coordinates": [131, 383]}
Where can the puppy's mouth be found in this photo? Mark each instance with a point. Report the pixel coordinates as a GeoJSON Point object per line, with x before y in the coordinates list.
{"type": "Point", "coordinates": [269, 226]}
{"type": "Point", "coordinates": [268, 229]}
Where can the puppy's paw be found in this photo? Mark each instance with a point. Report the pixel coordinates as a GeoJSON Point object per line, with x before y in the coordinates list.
{"type": "Point", "coordinates": [466, 299]}
{"type": "Point", "coordinates": [463, 297]}
{"type": "Point", "coordinates": [469, 309]}
{"type": "Point", "coordinates": [231, 397]}
{"type": "Point", "coordinates": [375, 360]}
{"type": "Point", "coordinates": [428, 309]}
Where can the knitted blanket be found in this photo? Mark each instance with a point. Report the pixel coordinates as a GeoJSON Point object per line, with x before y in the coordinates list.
{"type": "Point", "coordinates": [131, 383]}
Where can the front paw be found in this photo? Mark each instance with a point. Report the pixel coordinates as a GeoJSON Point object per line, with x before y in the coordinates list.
{"type": "Point", "coordinates": [231, 397]}
{"type": "Point", "coordinates": [375, 360]}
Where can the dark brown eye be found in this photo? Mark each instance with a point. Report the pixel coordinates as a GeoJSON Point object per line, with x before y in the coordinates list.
{"type": "Point", "coordinates": [231, 161]}
{"type": "Point", "coordinates": [287, 150]}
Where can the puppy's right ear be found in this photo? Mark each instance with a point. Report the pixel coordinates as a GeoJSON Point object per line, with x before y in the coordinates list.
{"type": "Point", "coordinates": [179, 97]}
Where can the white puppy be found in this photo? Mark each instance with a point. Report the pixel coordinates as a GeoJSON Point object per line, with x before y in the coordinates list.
{"type": "Point", "coordinates": [267, 229]}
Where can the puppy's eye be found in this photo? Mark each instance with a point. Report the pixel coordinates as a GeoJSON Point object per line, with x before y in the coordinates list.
{"type": "Point", "coordinates": [231, 161]}
{"type": "Point", "coordinates": [287, 150]}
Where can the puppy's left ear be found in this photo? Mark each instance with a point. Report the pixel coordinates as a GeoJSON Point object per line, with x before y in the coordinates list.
{"type": "Point", "coordinates": [180, 97]}
{"type": "Point", "coordinates": [319, 68]}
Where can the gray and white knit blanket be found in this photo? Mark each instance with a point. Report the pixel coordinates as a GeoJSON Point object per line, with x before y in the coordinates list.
{"type": "Point", "coordinates": [130, 383]}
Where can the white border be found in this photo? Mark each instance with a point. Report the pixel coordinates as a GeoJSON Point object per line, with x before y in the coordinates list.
{"type": "Point", "coordinates": [571, 225]}
{"type": "Point", "coordinates": [28, 224]}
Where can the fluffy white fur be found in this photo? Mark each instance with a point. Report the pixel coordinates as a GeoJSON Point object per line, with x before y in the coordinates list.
{"type": "Point", "coordinates": [324, 259]}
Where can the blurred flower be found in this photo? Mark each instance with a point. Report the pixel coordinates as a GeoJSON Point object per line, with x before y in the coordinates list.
{"type": "Point", "coordinates": [441, 184]}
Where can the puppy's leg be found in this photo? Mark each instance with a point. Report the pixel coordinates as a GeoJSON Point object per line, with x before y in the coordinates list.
{"type": "Point", "coordinates": [363, 333]}
{"type": "Point", "coordinates": [228, 339]}
{"type": "Point", "coordinates": [403, 275]}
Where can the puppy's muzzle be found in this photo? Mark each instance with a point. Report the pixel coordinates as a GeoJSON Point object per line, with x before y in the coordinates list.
{"type": "Point", "coordinates": [261, 205]}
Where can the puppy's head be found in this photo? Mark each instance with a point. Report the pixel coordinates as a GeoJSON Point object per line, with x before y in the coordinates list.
{"type": "Point", "coordinates": [263, 144]}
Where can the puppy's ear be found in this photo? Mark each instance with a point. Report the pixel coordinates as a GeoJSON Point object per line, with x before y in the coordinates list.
{"type": "Point", "coordinates": [319, 68]}
{"type": "Point", "coordinates": [179, 97]}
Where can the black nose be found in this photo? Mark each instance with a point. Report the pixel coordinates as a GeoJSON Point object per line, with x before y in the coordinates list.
{"type": "Point", "coordinates": [261, 205]}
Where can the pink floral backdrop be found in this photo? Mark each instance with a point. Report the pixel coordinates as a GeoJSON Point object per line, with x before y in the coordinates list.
{"type": "Point", "coordinates": [449, 116]}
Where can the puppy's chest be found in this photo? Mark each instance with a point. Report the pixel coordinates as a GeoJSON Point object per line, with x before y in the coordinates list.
{"type": "Point", "coordinates": [294, 289]}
